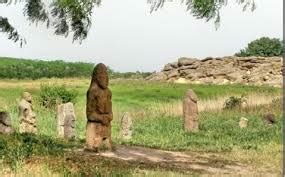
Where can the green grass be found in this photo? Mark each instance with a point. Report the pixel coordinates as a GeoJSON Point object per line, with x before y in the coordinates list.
{"type": "Point", "coordinates": [219, 131]}
{"type": "Point", "coordinates": [140, 93]}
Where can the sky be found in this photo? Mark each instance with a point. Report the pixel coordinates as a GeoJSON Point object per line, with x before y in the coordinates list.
{"type": "Point", "coordinates": [127, 37]}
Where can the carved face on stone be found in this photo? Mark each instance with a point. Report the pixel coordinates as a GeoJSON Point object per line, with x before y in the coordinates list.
{"type": "Point", "coordinates": [100, 76]}
{"type": "Point", "coordinates": [27, 96]}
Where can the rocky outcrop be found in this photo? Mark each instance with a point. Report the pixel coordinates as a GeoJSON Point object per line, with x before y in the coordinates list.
{"type": "Point", "coordinates": [225, 70]}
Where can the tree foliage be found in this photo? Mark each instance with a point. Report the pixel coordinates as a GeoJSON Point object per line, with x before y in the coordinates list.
{"type": "Point", "coordinates": [264, 47]}
{"type": "Point", "coordinates": [12, 68]}
{"type": "Point", "coordinates": [74, 16]}
{"type": "Point", "coordinates": [34, 69]}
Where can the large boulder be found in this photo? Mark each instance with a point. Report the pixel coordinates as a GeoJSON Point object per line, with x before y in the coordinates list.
{"type": "Point", "coordinates": [186, 61]}
{"type": "Point", "coordinates": [224, 70]}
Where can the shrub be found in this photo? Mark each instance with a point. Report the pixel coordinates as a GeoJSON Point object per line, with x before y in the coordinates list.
{"type": "Point", "coordinates": [50, 96]}
{"type": "Point", "coordinates": [233, 102]}
{"type": "Point", "coordinates": [264, 47]}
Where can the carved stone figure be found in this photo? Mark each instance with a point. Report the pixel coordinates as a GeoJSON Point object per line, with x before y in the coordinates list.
{"type": "Point", "coordinates": [66, 121]}
{"type": "Point", "coordinates": [5, 123]}
{"type": "Point", "coordinates": [99, 111]}
{"type": "Point", "coordinates": [27, 115]}
{"type": "Point", "coordinates": [126, 126]}
{"type": "Point", "coordinates": [190, 112]}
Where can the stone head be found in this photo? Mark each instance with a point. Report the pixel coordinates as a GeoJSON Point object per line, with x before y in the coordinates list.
{"type": "Point", "coordinates": [27, 96]}
{"type": "Point", "coordinates": [100, 75]}
{"type": "Point", "coordinates": [191, 94]}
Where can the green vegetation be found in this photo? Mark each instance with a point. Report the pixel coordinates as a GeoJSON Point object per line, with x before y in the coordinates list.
{"type": "Point", "coordinates": [52, 95]}
{"type": "Point", "coordinates": [263, 47]}
{"type": "Point", "coordinates": [219, 131]}
{"type": "Point", "coordinates": [233, 102]}
{"type": "Point", "coordinates": [16, 148]}
{"type": "Point", "coordinates": [12, 68]}
{"type": "Point", "coordinates": [34, 69]}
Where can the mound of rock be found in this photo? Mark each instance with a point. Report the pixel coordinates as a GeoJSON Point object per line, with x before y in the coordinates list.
{"type": "Point", "coordinates": [225, 70]}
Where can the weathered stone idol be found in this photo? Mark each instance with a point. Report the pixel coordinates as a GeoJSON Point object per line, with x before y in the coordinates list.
{"type": "Point", "coordinates": [99, 111]}
{"type": "Point", "coordinates": [126, 126]}
{"type": "Point", "coordinates": [27, 115]}
{"type": "Point", "coordinates": [190, 112]}
{"type": "Point", "coordinates": [66, 121]}
{"type": "Point", "coordinates": [5, 123]}
{"type": "Point", "coordinates": [243, 122]}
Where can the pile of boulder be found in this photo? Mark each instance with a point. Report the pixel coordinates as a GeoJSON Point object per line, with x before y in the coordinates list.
{"type": "Point", "coordinates": [225, 70]}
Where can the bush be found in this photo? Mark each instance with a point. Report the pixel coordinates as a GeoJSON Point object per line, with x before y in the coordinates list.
{"type": "Point", "coordinates": [233, 102]}
{"type": "Point", "coordinates": [264, 47]}
{"type": "Point", "coordinates": [50, 96]}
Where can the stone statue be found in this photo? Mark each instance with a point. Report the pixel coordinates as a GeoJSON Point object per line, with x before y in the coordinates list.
{"type": "Point", "coordinates": [66, 121]}
{"type": "Point", "coordinates": [5, 124]}
{"type": "Point", "coordinates": [99, 111]}
{"type": "Point", "coordinates": [190, 112]}
{"type": "Point", "coordinates": [27, 115]}
{"type": "Point", "coordinates": [126, 126]}
{"type": "Point", "coordinates": [243, 122]}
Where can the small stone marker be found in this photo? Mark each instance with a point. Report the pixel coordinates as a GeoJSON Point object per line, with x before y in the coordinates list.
{"type": "Point", "coordinates": [5, 123]}
{"type": "Point", "coordinates": [190, 112]}
{"type": "Point", "coordinates": [26, 115]}
{"type": "Point", "coordinates": [269, 118]}
{"type": "Point", "coordinates": [243, 122]}
{"type": "Point", "coordinates": [126, 126]}
{"type": "Point", "coordinates": [66, 121]}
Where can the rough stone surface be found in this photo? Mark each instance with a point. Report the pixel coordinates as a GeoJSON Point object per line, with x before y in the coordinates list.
{"type": "Point", "coordinates": [5, 123]}
{"type": "Point", "coordinates": [66, 121]}
{"type": "Point", "coordinates": [226, 70]}
{"type": "Point", "coordinates": [99, 111]}
{"type": "Point", "coordinates": [126, 126]}
{"type": "Point", "coordinates": [243, 122]}
{"type": "Point", "coordinates": [190, 112]}
{"type": "Point", "coordinates": [160, 76]}
{"type": "Point", "coordinates": [27, 115]}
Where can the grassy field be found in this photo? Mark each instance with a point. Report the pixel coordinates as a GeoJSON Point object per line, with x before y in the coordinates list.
{"type": "Point", "coordinates": [156, 110]}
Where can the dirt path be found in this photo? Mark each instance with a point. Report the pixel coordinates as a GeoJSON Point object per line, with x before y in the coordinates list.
{"type": "Point", "coordinates": [202, 163]}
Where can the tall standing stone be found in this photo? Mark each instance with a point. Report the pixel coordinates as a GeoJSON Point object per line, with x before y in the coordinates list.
{"type": "Point", "coordinates": [126, 126]}
{"type": "Point", "coordinates": [27, 115]}
{"type": "Point", "coordinates": [190, 112]}
{"type": "Point", "coordinates": [5, 123]}
{"type": "Point", "coordinates": [66, 121]}
{"type": "Point", "coordinates": [99, 111]}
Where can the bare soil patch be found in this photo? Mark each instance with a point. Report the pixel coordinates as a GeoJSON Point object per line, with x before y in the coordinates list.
{"type": "Point", "coordinates": [184, 162]}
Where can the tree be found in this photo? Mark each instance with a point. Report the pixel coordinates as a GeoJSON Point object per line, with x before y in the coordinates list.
{"type": "Point", "coordinates": [264, 47]}
{"type": "Point", "coordinates": [74, 16]}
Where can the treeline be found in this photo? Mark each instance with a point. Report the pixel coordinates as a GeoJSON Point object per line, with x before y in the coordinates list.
{"type": "Point", "coordinates": [12, 68]}
{"type": "Point", "coordinates": [34, 69]}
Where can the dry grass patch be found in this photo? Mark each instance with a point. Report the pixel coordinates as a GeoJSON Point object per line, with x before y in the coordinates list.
{"type": "Point", "coordinates": [207, 105]}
